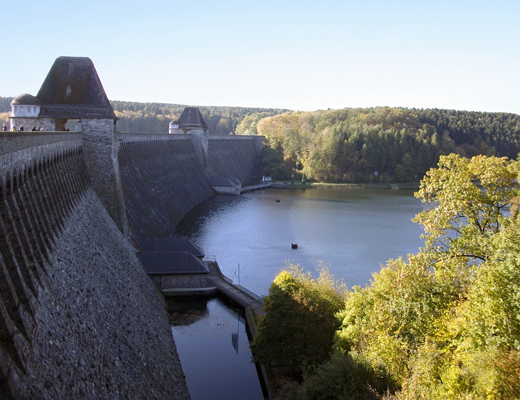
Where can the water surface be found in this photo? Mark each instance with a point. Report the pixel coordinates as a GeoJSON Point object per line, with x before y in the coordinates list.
{"type": "Point", "coordinates": [352, 231]}
{"type": "Point", "coordinates": [214, 350]}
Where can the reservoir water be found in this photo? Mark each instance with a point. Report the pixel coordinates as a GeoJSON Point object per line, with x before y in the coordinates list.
{"type": "Point", "coordinates": [213, 347]}
{"type": "Point", "coordinates": [352, 231]}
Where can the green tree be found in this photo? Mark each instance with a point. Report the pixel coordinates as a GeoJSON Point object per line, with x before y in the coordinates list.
{"type": "Point", "coordinates": [442, 324]}
{"type": "Point", "coordinates": [469, 198]}
{"type": "Point", "coordinates": [299, 322]}
{"type": "Point", "coordinates": [445, 322]}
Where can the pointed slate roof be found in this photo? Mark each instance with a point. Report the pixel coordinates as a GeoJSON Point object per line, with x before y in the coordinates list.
{"type": "Point", "coordinates": [191, 118]}
{"type": "Point", "coordinates": [73, 89]}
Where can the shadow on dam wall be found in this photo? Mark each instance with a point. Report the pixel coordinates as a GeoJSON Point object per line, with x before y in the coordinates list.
{"type": "Point", "coordinates": [163, 179]}
{"type": "Point", "coordinates": [161, 182]}
{"type": "Point", "coordinates": [235, 156]}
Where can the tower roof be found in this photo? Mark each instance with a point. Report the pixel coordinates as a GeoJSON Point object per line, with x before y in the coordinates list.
{"type": "Point", "coordinates": [73, 89]}
{"type": "Point", "coordinates": [26, 99]}
{"type": "Point", "coordinates": [191, 118]}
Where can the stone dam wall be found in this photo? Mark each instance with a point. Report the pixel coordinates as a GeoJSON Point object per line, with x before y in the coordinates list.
{"type": "Point", "coordinates": [164, 176]}
{"type": "Point", "coordinates": [162, 180]}
{"type": "Point", "coordinates": [237, 156]}
{"type": "Point", "coordinates": [79, 318]}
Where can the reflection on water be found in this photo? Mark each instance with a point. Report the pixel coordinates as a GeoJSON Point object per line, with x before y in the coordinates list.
{"type": "Point", "coordinates": [213, 348]}
{"type": "Point", "coordinates": [353, 231]}
{"type": "Point", "coordinates": [184, 311]}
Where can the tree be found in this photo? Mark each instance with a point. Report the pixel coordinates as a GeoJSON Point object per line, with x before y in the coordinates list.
{"type": "Point", "coordinates": [445, 323]}
{"type": "Point", "coordinates": [299, 323]}
{"type": "Point", "coordinates": [442, 324]}
{"type": "Point", "coordinates": [470, 198]}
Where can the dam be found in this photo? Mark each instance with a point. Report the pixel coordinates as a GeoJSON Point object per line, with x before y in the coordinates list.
{"type": "Point", "coordinates": [79, 317]}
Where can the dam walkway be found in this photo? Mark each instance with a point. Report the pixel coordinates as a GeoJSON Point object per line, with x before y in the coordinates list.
{"type": "Point", "coordinates": [237, 293]}
{"type": "Point", "coordinates": [215, 282]}
{"type": "Point", "coordinates": [258, 186]}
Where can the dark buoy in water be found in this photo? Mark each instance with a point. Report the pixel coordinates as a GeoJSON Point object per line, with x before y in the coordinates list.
{"type": "Point", "coordinates": [294, 245]}
{"type": "Point", "coordinates": [277, 201]}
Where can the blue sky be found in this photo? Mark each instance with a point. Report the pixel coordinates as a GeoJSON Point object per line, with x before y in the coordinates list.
{"type": "Point", "coordinates": [304, 55]}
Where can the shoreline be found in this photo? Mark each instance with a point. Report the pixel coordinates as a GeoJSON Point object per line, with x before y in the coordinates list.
{"type": "Point", "coordinates": [395, 186]}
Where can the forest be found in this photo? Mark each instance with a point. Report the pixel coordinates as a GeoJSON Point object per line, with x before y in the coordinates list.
{"type": "Point", "coordinates": [379, 145]}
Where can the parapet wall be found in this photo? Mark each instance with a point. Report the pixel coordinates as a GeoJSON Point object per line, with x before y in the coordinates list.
{"type": "Point", "coordinates": [20, 149]}
{"type": "Point", "coordinates": [79, 318]}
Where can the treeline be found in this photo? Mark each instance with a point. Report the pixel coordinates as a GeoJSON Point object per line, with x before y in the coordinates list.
{"type": "Point", "coordinates": [155, 117]}
{"type": "Point", "coordinates": [378, 144]}
{"type": "Point", "coordinates": [5, 104]}
{"type": "Point", "coordinates": [5, 109]}
{"type": "Point", "coordinates": [359, 145]}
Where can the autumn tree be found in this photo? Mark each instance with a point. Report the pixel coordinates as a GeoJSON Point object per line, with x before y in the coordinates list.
{"type": "Point", "coordinates": [444, 323]}
{"type": "Point", "coordinates": [299, 323]}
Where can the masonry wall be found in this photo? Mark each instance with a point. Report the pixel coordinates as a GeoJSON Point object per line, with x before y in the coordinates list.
{"type": "Point", "coordinates": [236, 156]}
{"type": "Point", "coordinates": [164, 176]}
{"type": "Point", "coordinates": [181, 281]}
{"type": "Point", "coordinates": [162, 180]}
{"type": "Point", "coordinates": [79, 318]}
{"type": "Point", "coordinates": [100, 150]}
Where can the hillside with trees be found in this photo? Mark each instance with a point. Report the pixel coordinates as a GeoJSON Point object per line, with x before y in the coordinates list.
{"type": "Point", "coordinates": [351, 145]}
{"type": "Point", "coordinates": [381, 144]}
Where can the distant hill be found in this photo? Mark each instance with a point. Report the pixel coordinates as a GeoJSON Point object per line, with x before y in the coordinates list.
{"type": "Point", "coordinates": [155, 117]}
{"type": "Point", "coordinates": [378, 144]}
{"type": "Point", "coordinates": [381, 144]}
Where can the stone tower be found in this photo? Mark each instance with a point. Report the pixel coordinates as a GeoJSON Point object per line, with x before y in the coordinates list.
{"type": "Point", "coordinates": [73, 90]}
{"type": "Point", "coordinates": [191, 122]}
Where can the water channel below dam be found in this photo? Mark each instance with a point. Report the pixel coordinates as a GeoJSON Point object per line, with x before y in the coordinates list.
{"type": "Point", "coordinates": [351, 231]}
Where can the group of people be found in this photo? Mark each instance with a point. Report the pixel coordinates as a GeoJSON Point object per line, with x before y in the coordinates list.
{"type": "Point", "coordinates": [21, 128]}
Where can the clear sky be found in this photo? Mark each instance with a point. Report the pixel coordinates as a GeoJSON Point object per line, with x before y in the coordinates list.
{"type": "Point", "coordinates": [301, 55]}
